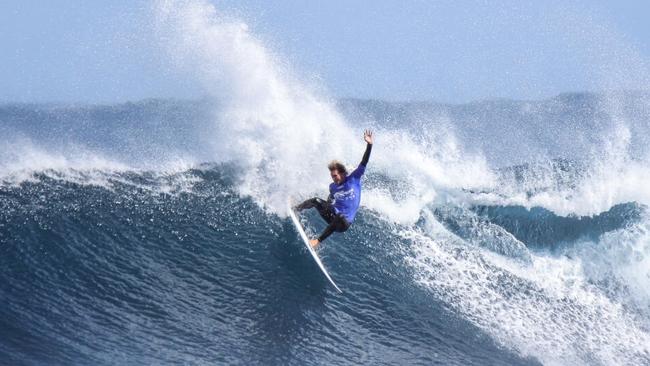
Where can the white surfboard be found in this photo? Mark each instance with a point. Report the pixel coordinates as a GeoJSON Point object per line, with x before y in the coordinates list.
{"type": "Point", "coordinates": [305, 239]}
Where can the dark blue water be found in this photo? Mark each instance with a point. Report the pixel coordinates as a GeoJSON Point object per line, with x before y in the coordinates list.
{"type": "Point", "coordinates": [126, 276]}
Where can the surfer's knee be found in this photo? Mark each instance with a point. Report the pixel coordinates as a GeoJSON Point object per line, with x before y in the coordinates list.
{"type": "Point", "coordinates": [312, 202]}
{"type": "Point", "coordinates": [342, 224]}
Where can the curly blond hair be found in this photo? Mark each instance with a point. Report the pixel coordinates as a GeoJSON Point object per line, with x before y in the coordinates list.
{"type": "Point", "coordinates": [337, 165]}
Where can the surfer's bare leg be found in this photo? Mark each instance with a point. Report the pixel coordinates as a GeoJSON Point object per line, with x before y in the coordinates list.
{"type": "Point", "coordinates": [314, 243]}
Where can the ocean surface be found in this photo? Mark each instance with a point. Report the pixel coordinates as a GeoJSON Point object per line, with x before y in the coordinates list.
{"type": "Point", "coordinates": [155, 232]}
{"type": "Point", "coordinates": [117, 249]}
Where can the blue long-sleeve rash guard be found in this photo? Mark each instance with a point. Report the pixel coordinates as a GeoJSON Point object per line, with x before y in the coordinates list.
{"type": "Point", "coordinates": [346, 196]}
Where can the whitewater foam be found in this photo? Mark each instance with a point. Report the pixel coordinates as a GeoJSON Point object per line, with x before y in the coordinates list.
{"type": "Point", "coordinates": [619, 262]}
{"type": "Point", "coordinates": [277, 129]}
{"type": "Point", "coordinates": [547, 311]}
{"type": "Point", "coordinates": [22, 159]}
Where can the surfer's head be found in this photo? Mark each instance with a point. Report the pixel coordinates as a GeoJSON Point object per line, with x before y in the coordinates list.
{"type": "Point", "coordinates": [337, 171]}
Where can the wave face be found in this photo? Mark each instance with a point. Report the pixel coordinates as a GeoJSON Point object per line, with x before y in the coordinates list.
{"type": "Point", "coordinates": [496, 232]}
{"type": "Point", "coordinates": [105, 261]}
{"type": "Point", "coordinates": [134, 273]}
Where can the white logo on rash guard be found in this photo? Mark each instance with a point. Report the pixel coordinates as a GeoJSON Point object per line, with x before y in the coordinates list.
{"type": "Point", "coordinates": [345, 195]}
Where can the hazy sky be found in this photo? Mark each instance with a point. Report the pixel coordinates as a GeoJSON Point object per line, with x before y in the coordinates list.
{"type": "Point", "coordinates": [450, 51]}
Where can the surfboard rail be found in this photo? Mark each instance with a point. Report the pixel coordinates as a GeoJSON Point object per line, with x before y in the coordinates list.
{"type": "Point", "coordinates": [305, 239]}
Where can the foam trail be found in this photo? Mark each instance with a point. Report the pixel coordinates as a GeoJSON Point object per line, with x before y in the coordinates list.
{"type": "Point", "coordinates": [270, 125]}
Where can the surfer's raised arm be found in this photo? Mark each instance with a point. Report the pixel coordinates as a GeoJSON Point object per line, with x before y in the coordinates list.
{"type": "Point", "coordinates": [367, 136]}
{"type": "Point", "coordinates": [358, 172]}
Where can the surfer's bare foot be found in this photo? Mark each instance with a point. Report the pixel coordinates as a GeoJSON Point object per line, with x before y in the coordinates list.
{"type": "Point", "coordinates": [314, 243]}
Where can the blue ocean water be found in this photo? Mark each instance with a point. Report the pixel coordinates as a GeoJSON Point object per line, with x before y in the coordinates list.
{"type": "Point", "coordinates": [115, 253]}
{"type": "Point", "coordinates": [124, 276]}
{"type": "Point", "coordinates": [498, 232]}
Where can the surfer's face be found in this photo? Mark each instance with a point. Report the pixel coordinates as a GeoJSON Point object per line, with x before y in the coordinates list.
{"type": "Point", "coordinates": [337, 177]}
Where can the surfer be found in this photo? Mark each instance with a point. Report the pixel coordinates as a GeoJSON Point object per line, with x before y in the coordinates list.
{"type": "Point", "coordinates": [344, 198]}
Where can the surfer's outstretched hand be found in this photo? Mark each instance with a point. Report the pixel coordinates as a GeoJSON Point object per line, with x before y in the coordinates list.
{"type": "Point", "coordinates": [367, 135]}
{"type": "Point", "coordinates": [314, 243]}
